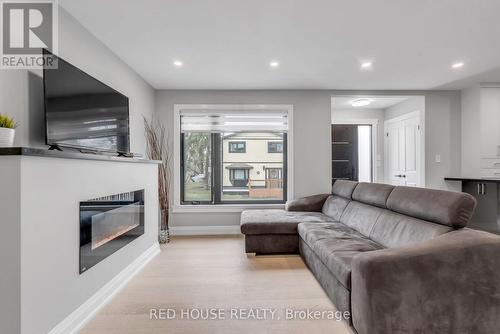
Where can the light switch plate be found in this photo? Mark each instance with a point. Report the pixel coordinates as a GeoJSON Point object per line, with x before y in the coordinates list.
{"type": "Point", "coordinates": [438, 158]}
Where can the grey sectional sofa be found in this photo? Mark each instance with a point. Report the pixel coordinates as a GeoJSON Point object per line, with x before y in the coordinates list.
{"type": "Point", "coordinates": [397, 258]}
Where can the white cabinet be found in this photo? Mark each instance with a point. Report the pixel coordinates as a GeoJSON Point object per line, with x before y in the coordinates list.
{"type": "Point", "coordinates": [490, 122]}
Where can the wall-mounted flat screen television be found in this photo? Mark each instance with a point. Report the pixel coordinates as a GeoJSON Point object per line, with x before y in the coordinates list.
{"type": "Point", "coordinates": [83, 113]}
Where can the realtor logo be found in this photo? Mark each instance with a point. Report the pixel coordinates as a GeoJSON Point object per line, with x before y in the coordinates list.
{"type": "Point", "coordinates": [27, 28]}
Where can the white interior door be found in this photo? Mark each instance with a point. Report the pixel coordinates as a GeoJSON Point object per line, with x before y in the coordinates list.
{"type": "Point", "coordinates": [394, 132]}
{"type": "Point", "coordinates": [403, 152]}
{"type": "Point", "coordinates": [411, 129]}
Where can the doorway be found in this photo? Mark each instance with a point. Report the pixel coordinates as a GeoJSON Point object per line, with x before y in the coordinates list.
{"type": "Point", "coordinates": [404, 154]}
{"type": "Point", "coordinates": [352, 152]}
{"type": "Point", "coordinates": [367, 116]}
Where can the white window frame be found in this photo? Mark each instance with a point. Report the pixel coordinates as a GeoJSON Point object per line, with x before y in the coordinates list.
{"type": "Point", "coordinates": [177, 207]}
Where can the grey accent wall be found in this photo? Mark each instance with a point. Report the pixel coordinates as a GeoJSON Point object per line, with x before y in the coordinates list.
{"type": "Point", "coordinates": [311, 137]}
{"type": "Point", "coordinates": [21, 91]}
{"type": "Point", "coordinates": [312, 118]}
{"type": "Point", "coordinates": [442, 136]}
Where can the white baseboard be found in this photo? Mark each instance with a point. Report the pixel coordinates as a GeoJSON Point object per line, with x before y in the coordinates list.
{"type": "Point", "coordinates": [205, 230]}
{"type": "Point", "coordinates": [78, 318]}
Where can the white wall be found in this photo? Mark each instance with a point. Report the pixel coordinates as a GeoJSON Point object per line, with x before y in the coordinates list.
{"type": "Point", "coordinates": [46, 217]}
{"type": "Point", "coordinates": [21, 91]}
{"type": "Point", "coordinates": [10, 250]}
{"type": "Point", "coordinates": [410, 105]}
{"type": "Point", "coordinates": [371, 114]}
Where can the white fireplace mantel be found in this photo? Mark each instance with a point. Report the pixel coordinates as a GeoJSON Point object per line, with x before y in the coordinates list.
{"type": "Point", "coordinates": [41, 290]}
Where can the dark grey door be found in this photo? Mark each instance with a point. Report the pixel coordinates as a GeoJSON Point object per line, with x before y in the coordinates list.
{"type": "Point", "coordinates": [344, 152]}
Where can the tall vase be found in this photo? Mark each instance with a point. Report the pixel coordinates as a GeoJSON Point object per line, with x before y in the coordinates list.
{"type": "Point", "coordinates": [164, 233]}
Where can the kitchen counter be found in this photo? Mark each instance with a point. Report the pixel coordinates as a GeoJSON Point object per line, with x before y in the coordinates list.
{"type": "Point", "coordinates": [472, 179]}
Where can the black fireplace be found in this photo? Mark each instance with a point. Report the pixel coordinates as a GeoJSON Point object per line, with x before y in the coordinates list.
{"type": "Point", "coordinates": [108, 224]}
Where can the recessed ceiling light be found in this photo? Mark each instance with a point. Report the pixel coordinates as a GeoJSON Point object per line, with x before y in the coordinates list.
{"type": "Point", "coordinates": [361, 102]}
{"type": "Point", "coordinates": [366, 65]}
{"type": "Point", "coordinates": [458, 65]}
{"type": "Point", "coordinates": [274, 64]}
{"type": "Point", "coordinates": [178, 63]}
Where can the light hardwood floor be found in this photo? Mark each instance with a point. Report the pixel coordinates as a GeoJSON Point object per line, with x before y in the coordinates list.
{"type": "Point", "coordinates": [215, 272]}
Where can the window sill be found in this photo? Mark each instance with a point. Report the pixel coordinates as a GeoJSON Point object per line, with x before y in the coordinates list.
{"type": "Point", "coordinates": [221, 208]}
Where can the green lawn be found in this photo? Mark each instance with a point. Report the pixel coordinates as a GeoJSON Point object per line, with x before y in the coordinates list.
{"type": "Point", "coordinates": [194, 191]}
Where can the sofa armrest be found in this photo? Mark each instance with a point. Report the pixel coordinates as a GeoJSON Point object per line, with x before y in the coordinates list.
{"type": "Point", "coordinates": [308, 203]}
{"type": "Point", "coordinates": [450, 284]}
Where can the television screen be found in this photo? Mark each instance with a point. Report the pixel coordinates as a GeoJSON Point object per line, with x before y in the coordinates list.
{"type": "Point", "coordinates": [82, 112]}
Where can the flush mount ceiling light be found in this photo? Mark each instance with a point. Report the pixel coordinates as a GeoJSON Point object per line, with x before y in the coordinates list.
{"type": "Point", "coordinates": [457, 65]}
{"type": "Point", "coordinates": [274, 64]}
{"type": "Point", "coordinates": [361, 102]}
{"type": "Point", "coordinates": [178, 63]}
{"type": "Point", "coordinates": [366, 65]}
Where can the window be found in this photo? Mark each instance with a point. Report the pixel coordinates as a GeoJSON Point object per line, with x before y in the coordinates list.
{"type": "Point", "coordinates": [197, 171]}
{"type": "Point", "coordinates": [274, 147]}
{"type": "Point", "coordinates": [239, 177]}
{"type": "Point", "coordinates": [212, 174]}
{"type": "Point", "coordinates": [237, 147]}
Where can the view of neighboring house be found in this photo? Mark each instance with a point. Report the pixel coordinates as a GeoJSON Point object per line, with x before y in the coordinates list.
{"type": "Point", "coordinates": [253, 165]}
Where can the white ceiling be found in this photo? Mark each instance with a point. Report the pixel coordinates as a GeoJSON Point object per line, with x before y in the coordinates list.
{"type": "Point", "coordinates": [228, 44]}
{"type": "Point", "coordinates": [377, 102]}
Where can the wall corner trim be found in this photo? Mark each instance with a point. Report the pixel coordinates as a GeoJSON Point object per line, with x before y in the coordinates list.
{"type": "Point", "coordinates": [75, 321]}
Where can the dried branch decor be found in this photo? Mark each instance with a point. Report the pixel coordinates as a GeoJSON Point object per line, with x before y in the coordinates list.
{"type": "Point", "coordinates": [158, 149]}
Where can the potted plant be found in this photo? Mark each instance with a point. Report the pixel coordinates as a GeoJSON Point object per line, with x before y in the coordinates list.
{"type": "Point", "coordinates": [157, 149]}
{"type": "Point", "coordinates": [7, 131]}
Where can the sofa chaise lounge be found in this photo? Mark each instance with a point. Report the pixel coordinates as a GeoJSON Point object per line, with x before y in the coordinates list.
{"type": "Point", "coordinates": [399, 259]}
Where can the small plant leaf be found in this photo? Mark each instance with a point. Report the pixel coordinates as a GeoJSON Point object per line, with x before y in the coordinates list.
{"type": "Point", "coordinates": [7, 122]}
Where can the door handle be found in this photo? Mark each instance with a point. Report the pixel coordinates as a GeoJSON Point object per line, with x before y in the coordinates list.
{"type": "Point", "coordinates": [481, 189]}
{"type": "Point", "coordinates": [398, 175]}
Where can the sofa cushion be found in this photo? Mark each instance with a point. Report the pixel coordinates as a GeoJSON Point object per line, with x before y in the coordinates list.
{"type": "Point", "coordinates": [439, 206]}
{"type": "Point", "coordinates": [336, 244]}
{"type": "Point", "coordinates": [278, 221]}
{"type": "Point", "coordinates": [372, 193]}
{"type": "Point", "coordinates": [361, 217]}
{"type": "Point", "coordinates": [344, 188]}
{"type": "Point", "coordinates": [396, 230]}
{"type": "Point", "coordinates": [312, 203]}
{"type": "Point", "coordinates": [334, 206]}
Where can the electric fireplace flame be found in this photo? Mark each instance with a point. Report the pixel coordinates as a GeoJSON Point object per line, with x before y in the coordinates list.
{"type": "Point", "coordinates": [109, 223]}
